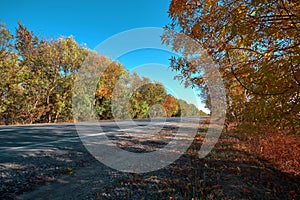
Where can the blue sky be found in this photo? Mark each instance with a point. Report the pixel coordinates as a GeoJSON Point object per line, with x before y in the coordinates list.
{"type": "Point", "coordinates": [91, 22]}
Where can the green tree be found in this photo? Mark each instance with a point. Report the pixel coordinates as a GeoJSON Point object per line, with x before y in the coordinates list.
{"type": "Point", "coordinates": [139, 105]}
{"type": "Point", "coordinates": [186, 109]}
{"type": "Point", "coordinates": [48, 74]}
{"type": "Point", "coordinates": [37, 76]}
{"type": "Point", "coordinates": [65, 58]}
{"type": "Point", "coordinates": [144, 97]}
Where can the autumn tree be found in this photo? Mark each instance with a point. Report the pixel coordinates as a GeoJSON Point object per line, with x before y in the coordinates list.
{"type": "Point", "coordinates": [9, 76]}
{"type": "Point", "coordinates": [256, 45]}
{"type": "Point", "coordinates": [32, 87]}
{"type": "Point", "coordinates": [69, 58]}
{"type": "Point", "coordinates": [107, 82]}
{"type": "Point", "coordinates": [171, 106]}
{"type": "Point", "coordinates": [143, 96]}
{"type": "Point", "coordinates": [38, 77]}
{"type": "Point", "coordinates": [48, 69]}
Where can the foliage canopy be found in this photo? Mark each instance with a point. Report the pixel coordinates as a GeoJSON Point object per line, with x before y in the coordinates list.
{"type": "Point", "coordinates": [256, 44]}
{"type": "Point", "coordinates": [37, 81]}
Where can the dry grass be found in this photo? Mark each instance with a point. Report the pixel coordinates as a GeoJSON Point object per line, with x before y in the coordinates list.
{"type": "Point", "coordinates": [278, 148]}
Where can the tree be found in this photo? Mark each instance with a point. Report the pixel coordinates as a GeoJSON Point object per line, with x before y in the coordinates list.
{"type": "Point", "coordinates": [48, 72]}
{"type": "Point", "coordinates": [37, 76]}
{"type": "Point", "coordinates": [186, 109]}
{"type": "Point", "coordinates": [257, 46]}
{"type": "Point", "coordinates": [32, 86]}
{"type": "Point", "coordinates": [146, 96]}
{"type": "Point", "coordinates": [171, 106]}
{"type": "Point", "coordinates": [112, 73]}
{"type": "Point", "coordinates": [65, 57]}
{"type": "Point", "coordinates": [9, 76]}
{"type": "Point", "coordinates": [38, 80]}
{"type": "Point", "coordinates": [202, 113]}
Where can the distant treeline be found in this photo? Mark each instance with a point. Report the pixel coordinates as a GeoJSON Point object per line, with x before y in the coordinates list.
{"type": "Point", "coordinates": [37, 81]}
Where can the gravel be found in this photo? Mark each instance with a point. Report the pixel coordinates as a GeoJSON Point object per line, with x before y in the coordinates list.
{"type": "Point", "coordinates": [26, 173]}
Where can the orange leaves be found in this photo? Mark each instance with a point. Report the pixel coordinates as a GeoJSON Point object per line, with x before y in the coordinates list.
{"type": "Point", "coordinates": [283, 150]}
{"type": "Point", "coordinates": [199, 139]}
{"type": "Point", "coordinates": [171, 105]}
{"type": "Point", "coordinates": [279, 148]}
{"type": "Point", "coordinates": [253, 39]}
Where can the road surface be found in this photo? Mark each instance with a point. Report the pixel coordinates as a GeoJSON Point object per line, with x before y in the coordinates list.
{"type": "Point", "coordinates": [30, 139]}
{"type": "Point", "coordinates": [35, 155]}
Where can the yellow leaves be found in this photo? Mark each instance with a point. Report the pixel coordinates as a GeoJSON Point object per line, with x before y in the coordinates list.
{"type": "Point", "coordinates": [208, 5]}
{"type": "Point", "coordinates": [241, 9]}
{"type": "Point", "coordinates": [267, 56]}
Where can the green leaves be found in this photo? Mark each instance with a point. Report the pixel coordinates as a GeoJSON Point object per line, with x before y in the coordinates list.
{"type": "Point", "coordinates": [37, 80]}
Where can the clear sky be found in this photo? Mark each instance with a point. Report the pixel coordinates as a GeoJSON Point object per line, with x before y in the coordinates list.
{"type": "Point", "coordinates": [92, 21]}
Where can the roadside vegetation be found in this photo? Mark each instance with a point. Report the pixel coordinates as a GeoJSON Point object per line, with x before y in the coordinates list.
{"type": "Point", "coordinates": [37, 80]}
{"type": "Point", "coordinates": [256, 45]}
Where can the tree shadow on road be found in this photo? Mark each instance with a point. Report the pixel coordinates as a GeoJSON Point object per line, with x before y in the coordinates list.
{"type": "Point", "coordinates": [72, 173]}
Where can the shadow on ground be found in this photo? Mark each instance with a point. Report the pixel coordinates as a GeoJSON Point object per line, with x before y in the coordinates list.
{"type": "Point", "coordinates": [63, 169]}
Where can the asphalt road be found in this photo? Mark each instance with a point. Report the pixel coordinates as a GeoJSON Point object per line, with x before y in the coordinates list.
{"type": "Point", "coordinates": [32, 139]}
{"type": "Point", "coordinates": [36, 153]}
